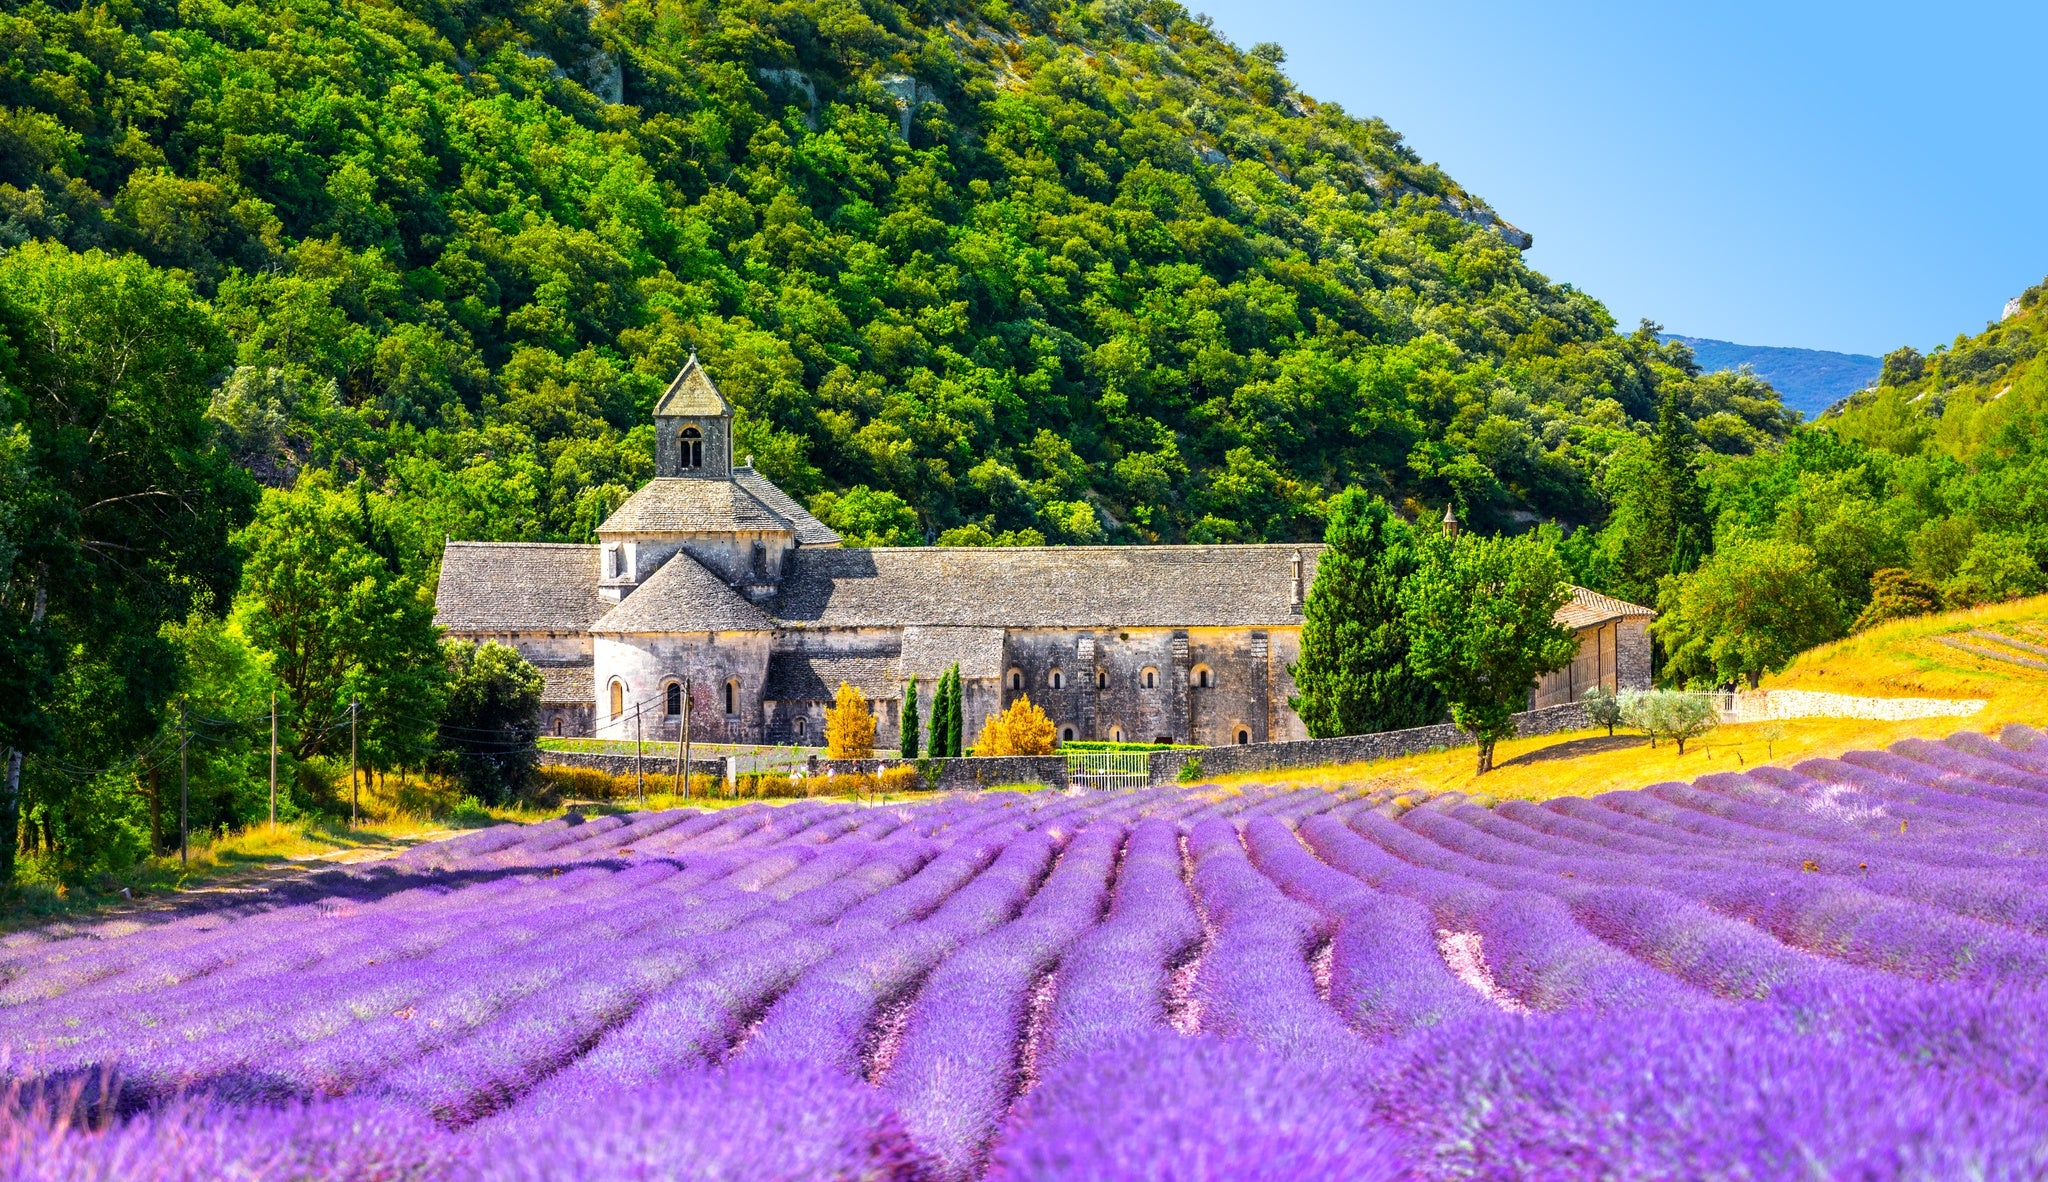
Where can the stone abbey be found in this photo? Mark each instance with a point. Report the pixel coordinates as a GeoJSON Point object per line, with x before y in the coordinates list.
{"type": "Point", "coordinates": [710, 576]}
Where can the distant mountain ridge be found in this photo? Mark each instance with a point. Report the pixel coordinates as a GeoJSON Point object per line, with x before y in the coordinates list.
{"type": "Point", "coordinates": [1810, 380]}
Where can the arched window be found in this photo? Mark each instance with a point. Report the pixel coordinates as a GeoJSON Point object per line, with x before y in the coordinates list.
{"type": "Point", "coordinates": [674, 699]}
{"type": "Point", "coordinates": [1056, 679]}
{"type": "Point", "coordinates": [1016, 679]}
{"type": "Point", "coordinates": [1116, 734]}
{"type": "Point", "coordinates": [1066, 734]}
{"type": "Point", "coordinates": [1201, 678]}
{"type": "Point", "coordinates": [618, 699]}
{"type": "Point", "coordinates": [732, 697]}
{"type": "Point", "coordinates": [558, 726]}
{"type": "Point", "coordinates": [799, 728]}
{"type": "Point", "coordinates": [1149, 677]}
{"type": "Point", "coordinates": [1102, 679]}
{"type": "Point", "coordinates": [692, 446]}
{"type": "Point", "coordinates": [1244, 737]}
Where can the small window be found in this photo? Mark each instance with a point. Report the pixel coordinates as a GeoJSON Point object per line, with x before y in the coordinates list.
{"type": "Point", "coordinates": [1102, 679]}
{"type": "Point", "coordinates": [618, 699]}
{"type": "Point", "coordinates": [1201, 678]}
{"type": "Point", "coordinates": [732, 697]}
{"type": "Point", "coordinates": [692, 448]}
{"type": "Point", "coordinates": [1066, 734]}
{"type": "Point", "coordinates": [1244, 737]}
{"type": "Point", "coordinates": [674, 700]}
{"type": "Point", "coordinates": [1056, 679]}
{"type": "Point", "coordinates": [1149, 678]}
{"type": "Point", "coordinates": [558, 726]}
{"type": "Point", "coordinates": [799, 728]}
{"type": "Point", "coordinates": [1116, 734]}
{"type": "Point", "coordinates": [1163, 740]}
{"type": "Point", "coordinates": [1016, 679]}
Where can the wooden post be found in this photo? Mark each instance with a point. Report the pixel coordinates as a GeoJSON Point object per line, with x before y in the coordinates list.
{"type": "Point", "coordinates": [273, 757]}
{"type": "Point", "coordinates": [639, 771]}
{"type": "Point", "coordinates": [354, 708]}
{"type": "Point", "coordinates": [689, 699]}
{"type": "Point", "coordinates": [184, 814]}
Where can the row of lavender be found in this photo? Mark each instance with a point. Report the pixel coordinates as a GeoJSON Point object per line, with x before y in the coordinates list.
{"type": "Point", "coordinates": [1836, 970]}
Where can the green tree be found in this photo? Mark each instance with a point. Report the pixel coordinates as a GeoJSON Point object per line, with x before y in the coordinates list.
{"type": "Point", "coordinates": [225, 693]}
{"type": "Point", "coordinates": [115, 511]}
{"type": "Point", "coordinates": [946, 716]}
{"type": "Point", "coordinates": [486, 737]}
{"type": "Point", "coordinates": [907, 741]}
{"type": "Point", "coordinates": [1747, 611]}
{"type": "Point", "coordinates": [340, 625]}
{"type": "Point", "coordinates": [1481, 620]}
{"type": "Point", "coordinates": [867, 517]}
{"type": "Point", "coordinates": [1353, 676]}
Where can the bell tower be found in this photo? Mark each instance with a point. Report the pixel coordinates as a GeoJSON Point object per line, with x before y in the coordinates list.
{"type": "Point", "coordinates": [693, 427]}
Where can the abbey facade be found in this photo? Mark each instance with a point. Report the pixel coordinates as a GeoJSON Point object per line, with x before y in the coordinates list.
{"type": "Point", "coordinates": [710, 579]}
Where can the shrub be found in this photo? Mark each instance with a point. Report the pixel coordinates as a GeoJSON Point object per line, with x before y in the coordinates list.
{"type": "Point", "coordinates": [1669, 714]}
{"type": "Point", "coordinates": [1897, 595]}
{"type": "Point", "coordinates": [1023, 729]}
{"type": "Point", "coordinates": [1190, 769]}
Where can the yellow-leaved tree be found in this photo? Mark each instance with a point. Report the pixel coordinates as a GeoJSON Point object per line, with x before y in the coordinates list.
{"type": "Point", "coordinates": [849, 727]}
{"type": "Point", "coordinates": [1023, 729]}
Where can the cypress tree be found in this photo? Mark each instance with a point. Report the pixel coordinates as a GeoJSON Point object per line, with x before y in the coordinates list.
{"type": "Point", "coordinates": [950, 716]}
{"type": "Point", "coordinates": [938, 746]}
{"type": "Point", "coordinates": [1353, 676]}
{"type": "Point", "coordinates": [908, 746]}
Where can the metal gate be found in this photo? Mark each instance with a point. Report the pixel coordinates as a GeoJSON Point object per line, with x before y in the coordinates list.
{"type": "Point", "coordinates": [1109, 769]}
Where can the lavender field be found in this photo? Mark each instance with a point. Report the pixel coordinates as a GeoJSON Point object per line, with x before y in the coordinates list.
{"type": "Point", "coordinates": [1838, 971]}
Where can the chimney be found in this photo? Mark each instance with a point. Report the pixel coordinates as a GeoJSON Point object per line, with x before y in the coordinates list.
{"type": "Point", "coordinates": [1295, 595]}
{"type": "Point", "coordinates": [1450, 523]}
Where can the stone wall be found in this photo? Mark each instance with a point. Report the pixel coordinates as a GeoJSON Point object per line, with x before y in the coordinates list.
{"type": "Point", "coordinates": [1774, 705]}
{"type": "Point", "coordinates": [658, 762]}
{"type": "Point", "coordinates": [1272, 757]}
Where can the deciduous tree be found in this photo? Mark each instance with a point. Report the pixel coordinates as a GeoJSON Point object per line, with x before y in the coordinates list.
{"type": "Point", "coordinates": [1750, 609]}
{"type": "Point", "coordinates": [849, 726]}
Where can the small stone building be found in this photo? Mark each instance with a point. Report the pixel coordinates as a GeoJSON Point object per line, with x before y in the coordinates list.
{"type": "Point", "coordinates": [711, 577]}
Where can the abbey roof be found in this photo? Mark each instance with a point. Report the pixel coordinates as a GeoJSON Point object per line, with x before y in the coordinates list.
{"type": "Point", "coordinates": [518, 587]}
{"type": "Point", "coordinates": [749, 502]}
{"type": "Point", "coordinates": [683, 597]}
{"type": "Point", "coordinates": [691, 394]}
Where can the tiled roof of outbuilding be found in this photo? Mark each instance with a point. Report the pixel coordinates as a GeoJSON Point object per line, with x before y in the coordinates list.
{"type": "Point", "coordinates": [689, 504]}
{"type": "Point", "coordinates": [683, 597]}
{"type": "Point", "coordinates": [517, 587]}
{"type": "Point", "coordinates": [1588, 608]}
{"type": "Point", "coordinates": [1044, 586]}
{"type": "Point", "coordinates": [809, 530]}
{"type": "Point", "coordinates": [803, 677]}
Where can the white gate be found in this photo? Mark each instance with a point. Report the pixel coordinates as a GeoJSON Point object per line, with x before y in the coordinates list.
{"type": "Point", "coordinates": [1109, 769]}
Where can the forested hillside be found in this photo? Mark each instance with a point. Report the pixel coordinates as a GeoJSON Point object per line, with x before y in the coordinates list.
{"type": "Point", "coordinates": [293, 290]}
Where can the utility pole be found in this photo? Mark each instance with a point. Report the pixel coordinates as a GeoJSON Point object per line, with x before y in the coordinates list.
{"type": "Point", "coordinates": [184, 798]}
{"type": "Point", "coordinates": [689, 699]}
{"type": "Point", "coordinates": [354, 708]}
{"type": "Point", "coordinates": [639, 751]}
{"type": "Point", "coordinates": [273, 758]}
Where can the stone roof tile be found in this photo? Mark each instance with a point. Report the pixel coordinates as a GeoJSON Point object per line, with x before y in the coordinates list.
{"type": "Point", "coordinates": [929, 651]}
{"type": "Point", "coordinates": [809, 530]}
{"type": "Point", "coordinates": [806, 677]}
{"type": "Point", "coordinates": [683, 597]}
{"type": "Point", "coordinates": [691, 505]}
{"type": "Point", "coordinates": [1588, 608]}
{"type": "Point", "coordinates": [568, 685]}
{"type": "Point", "coordinates": [691, 393]}
{"type": "Point", "coordinates": [1044, 586]}
{"type": "Point", "coordinates": [518, 587]}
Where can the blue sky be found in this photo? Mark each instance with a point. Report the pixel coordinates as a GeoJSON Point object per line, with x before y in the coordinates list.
{"type": "Point", "coordinates": [1830, 176]}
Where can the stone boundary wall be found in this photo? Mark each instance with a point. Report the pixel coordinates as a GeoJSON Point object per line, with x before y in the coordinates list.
{"type": "Point", "coordinates": [1302, 753]}
{"type": "Point", "coordinates": [622, 765]}
{"type": "Point", "coordinates": [1782, 705]}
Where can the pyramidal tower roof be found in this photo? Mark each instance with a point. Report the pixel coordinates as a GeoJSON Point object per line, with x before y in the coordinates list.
{"type": "Point", "coordinates": [692, 394]}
